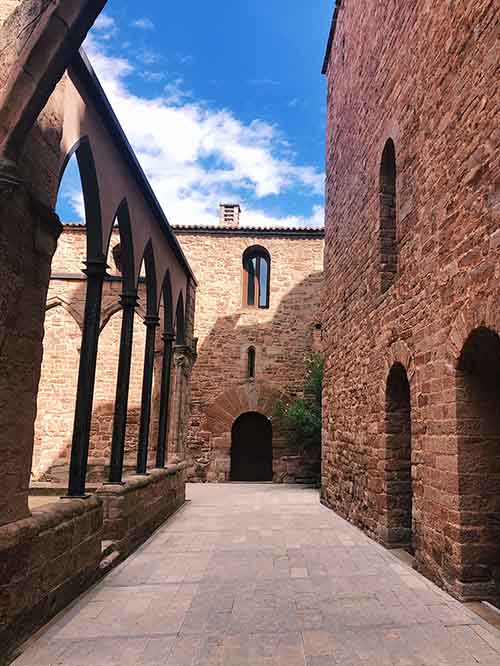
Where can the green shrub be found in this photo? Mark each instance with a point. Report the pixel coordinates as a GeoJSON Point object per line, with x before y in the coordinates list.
{"type": "Point", "coordinates": [303, 415]}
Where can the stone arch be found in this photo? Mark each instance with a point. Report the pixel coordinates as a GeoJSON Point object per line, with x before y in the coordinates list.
{"type": "Point", "coordinates": [477, 313]}
{"type": "Point", "coordinates": [35, 69]}
{"type": "Point", "coordinates": [59, 301]}
{"type": "Point", "coordinates": [478, 463]}
{"type": "Point", "coordinates": [398, 352]}
{"type": "Point", "coordinates": [229, 405]}
{"type": "Point", "coordinates": [56, 395]}
{"type": "Point", "coordinates": [219, 418]}
{"type": "Point", "coordinates": [168, 312]}
{"type": "Point", "coordinates": [151, 290]}
{"type": "Point", "coordinates": [397, 457]}
{"type": "Point", "coordinates": [180, 321]}
{"type": "Point", "coordinates": [127, 267]}
{"type": "Point", "coordinates": [91, 195]}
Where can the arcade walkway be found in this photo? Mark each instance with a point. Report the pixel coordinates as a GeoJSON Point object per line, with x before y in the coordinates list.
{"type": "Point", "coordinates": [263, 575]}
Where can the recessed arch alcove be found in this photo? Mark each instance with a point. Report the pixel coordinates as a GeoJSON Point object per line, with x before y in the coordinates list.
{"type": "Point", "coordinates": [478, 448]}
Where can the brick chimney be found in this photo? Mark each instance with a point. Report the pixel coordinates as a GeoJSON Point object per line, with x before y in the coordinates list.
{"type": "Point", "coordinates": [229, 215]}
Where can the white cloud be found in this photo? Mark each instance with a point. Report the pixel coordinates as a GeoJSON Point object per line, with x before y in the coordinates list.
{"type": "Point", "coordinates": [74, 198]}
{"type": "Point", "coordinates": [104, 22]}
{"type": "Point", "coordinates": [144, 24]}
{"type": "Point", "coordinates": [196, 156]}
{"type": "Point", "coordinates": [105, 26]}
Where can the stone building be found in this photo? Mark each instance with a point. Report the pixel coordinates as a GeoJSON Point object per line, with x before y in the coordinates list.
{"type": "Point", "coordinates": [411, 449]}
{"type": "Point", "coordinates": [258, 317]}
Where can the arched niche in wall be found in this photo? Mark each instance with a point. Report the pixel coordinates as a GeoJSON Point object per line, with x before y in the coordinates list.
{"type": "Point", "coordinates": [388, 216]}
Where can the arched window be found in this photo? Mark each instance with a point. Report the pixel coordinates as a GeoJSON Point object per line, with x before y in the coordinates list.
{"type": "Point", "coordinates": [256, 273]}
{"type": "Point", "coordinates": [388, 238]}
{"type": "Point", "coordinates": [251, 362]}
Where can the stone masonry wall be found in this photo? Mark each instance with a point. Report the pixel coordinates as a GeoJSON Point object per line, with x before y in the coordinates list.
{"type": "Point", "coordinates": [46, 560]}
{"type": "Point", "coordinates": [426, 75]}
{"type": "Point", "coordinates": [282, 335]}
{"type": "Point", "coordinates": [133, 511]}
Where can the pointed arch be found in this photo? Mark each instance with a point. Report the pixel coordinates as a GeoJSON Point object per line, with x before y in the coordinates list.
{"type": "Point", "coordinates": [180, 323]}
{"type": "Point", "coordinates": [151, 286]}
{"type": "Point", "coordinates": [59, 301]}
{"type": "Point", "coordinates": [168, 318]}
{"type": "Point", "coordinates": [91, 196]}
{"type": "Point", "coordinates": [127, 265]}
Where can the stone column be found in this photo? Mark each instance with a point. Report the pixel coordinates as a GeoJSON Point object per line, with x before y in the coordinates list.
{"type": "Point", "coordinates": [147, 386]}
{"type": "Point", "coordinates": [28, 238]}
{"type": "Point", "coordinates": [128, 302]}
{"type": "Point", "coordinates": [95, 271]}
{"type": "Point", "coordinates": [163, 421]}
{"type": "Point", "coordinates": [183, 363]}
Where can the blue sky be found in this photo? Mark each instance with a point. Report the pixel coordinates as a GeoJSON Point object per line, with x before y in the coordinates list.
{"type": "Point", "coordinates": [220, 100]}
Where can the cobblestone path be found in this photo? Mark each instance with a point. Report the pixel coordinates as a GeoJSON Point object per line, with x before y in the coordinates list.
{"type": "Point", "coordinates": [261, 575]}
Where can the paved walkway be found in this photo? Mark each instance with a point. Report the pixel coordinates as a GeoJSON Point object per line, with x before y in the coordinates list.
{"type": "Point", "coordinates": [261, 575]}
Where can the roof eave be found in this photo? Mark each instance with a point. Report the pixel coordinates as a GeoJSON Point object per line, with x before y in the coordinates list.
{"type": "Point", "coordinates": [338, 5]}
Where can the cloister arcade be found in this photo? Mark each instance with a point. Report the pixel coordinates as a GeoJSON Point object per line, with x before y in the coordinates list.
{"type": "Point", "coordinates": [53, 110]}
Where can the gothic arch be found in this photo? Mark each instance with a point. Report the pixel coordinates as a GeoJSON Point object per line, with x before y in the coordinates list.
{"type": "Point", "coordinates": [180, 322]}
{"type": "Point", "coordinates": [151, 286]}
{"type": "Point", "coordinates": [477, 313]}
{"type": "Point", "coordinates": [59, 301]}
{"type": "Point", "coordinates": [168, 313]}
{"type": "Point", "coordinates": [91, 196]}
{"type": "Point", "coordinates": [122, 218]}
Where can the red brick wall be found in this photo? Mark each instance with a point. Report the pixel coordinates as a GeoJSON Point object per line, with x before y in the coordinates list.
{"type": "Point", "coordinates": [426, 75]}
{"type": "Point", "coordinates": [282, 335]}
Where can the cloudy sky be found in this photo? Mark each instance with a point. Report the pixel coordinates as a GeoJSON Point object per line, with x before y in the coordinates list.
{"type": "Point", "coordinates": [221, 100]}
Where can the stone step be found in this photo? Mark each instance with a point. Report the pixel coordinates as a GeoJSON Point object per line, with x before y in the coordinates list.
{"type": "Point", "coordinates": [109, 556]}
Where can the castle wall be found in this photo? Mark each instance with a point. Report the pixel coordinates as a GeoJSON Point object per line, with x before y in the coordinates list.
{"type": "Point", "coordinates": [425, 75]}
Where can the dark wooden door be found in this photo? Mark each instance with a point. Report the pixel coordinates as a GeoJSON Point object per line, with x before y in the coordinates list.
{"type": "Point", "coordinates": [252, 448]}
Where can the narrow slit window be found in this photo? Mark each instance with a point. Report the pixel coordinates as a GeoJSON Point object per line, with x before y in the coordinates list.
{"type": "Point", "coordinates": [256, 275]}
{"type": "Point", "coordinates": [251, 362]}
{"type": "Point", "coordinates": [388, 231]}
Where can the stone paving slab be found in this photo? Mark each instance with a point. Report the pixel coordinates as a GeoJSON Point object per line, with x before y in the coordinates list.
{"type": "Point", "coordinates": [259, 574]}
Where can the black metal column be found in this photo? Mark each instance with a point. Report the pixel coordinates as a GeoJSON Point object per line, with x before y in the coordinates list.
{"type": "Point", "coordinates": [164, 400]}
{"type": "Point", "coordinates": [128, 302]}
{"type": "Point", "coordinates": [95, 271]}
{"type": "Point", "coordinates": [147, 387]}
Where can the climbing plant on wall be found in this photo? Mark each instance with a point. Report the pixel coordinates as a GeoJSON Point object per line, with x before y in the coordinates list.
{"type": "Point", "coordinates": [303, 414]}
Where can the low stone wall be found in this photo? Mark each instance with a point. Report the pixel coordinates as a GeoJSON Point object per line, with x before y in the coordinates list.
{"type": "Point", "coordinates": [133, 511]}
{"type": "Point", "coordinates": [45, 562]}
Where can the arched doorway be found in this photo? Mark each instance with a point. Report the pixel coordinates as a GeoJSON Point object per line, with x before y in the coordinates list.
{"type": "Point", "coordinates": [252, 448]}
{"type": "Point", "coordinates": [478, 440]}
{"type": "Point", "coordinates": [398, 465]}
